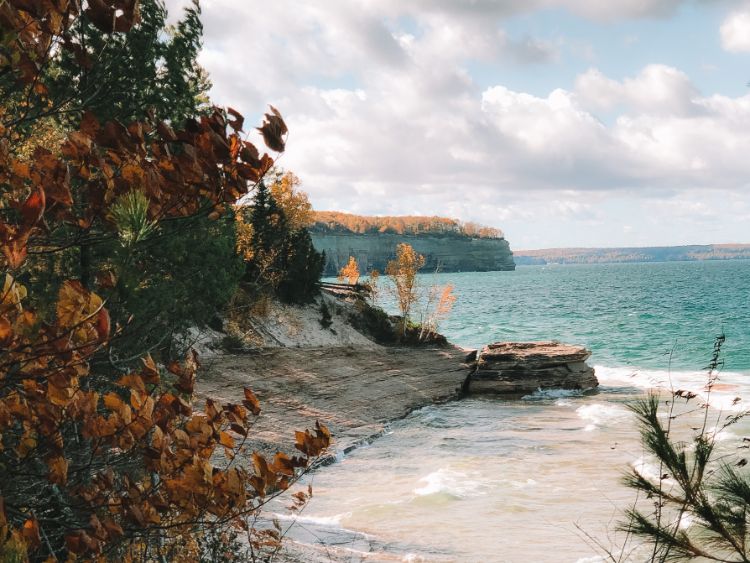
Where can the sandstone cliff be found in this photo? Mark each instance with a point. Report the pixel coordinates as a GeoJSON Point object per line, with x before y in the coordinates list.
{"type": "Point", "coordinates": [449, 254]}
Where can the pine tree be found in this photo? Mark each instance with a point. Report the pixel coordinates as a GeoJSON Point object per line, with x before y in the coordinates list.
{"type": "Point", "coordinates": [283, 260]}
{"type": "Point", "coordinates": [153, 66]}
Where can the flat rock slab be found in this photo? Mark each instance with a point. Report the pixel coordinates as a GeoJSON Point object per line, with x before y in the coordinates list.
{"type": "Point", "coordinates": [524, 367]}
{"type": "Point", "coordinates": [356, 392]}
{"type": "Point", "coordinates": [532, 354]}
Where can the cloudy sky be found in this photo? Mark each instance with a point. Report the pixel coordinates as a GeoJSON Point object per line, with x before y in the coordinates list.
{"type": "Point", "coordinates": [563, 122]}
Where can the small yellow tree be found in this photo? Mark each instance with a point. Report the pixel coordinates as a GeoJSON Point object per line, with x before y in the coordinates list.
{"type": "Point", "coordinates": [373, 286]}
{"type": "Point", "coordinates": [285, 189]}
{"type": "Point", "coordinates": [350, 272]}
{"type": "Point", "coordinates": [403, 273]}
{"type": "Point", "coordinates": [437, 308]}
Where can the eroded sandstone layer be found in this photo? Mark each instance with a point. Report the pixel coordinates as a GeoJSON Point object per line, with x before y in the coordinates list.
{"type": "Point", "coordinates": [516, 368]}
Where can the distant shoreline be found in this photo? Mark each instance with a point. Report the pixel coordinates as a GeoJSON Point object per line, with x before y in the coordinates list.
{"type": "Point", "coordinates": [652, 254]}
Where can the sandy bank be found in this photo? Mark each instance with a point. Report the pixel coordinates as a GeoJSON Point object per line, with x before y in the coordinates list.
{"type": "Point", "coordinates": [355, 391]}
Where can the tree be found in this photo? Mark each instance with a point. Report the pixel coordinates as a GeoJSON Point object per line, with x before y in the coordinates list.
{"type": "Point", "coordinates": [336, 221]}
{"type": "Point", "coordinates": [403, 273]}
{"type": "Point", "coordinates": [112, 463]}
{"type": "Point", "coordinates": [266, 235]}
{"type": "Point", "coordinates": [187, 270]}
{"type": "Point", "coordinates": [438, 306]}
{"type": "Point", "coordinates": [281, 259]}
{"type": "Point", "coordinates": [303, 269]}
{"type": "Point", "coordinates": [373, 286]}
{"type": "Point", "coordinates": [350, 272]}
{"type": "Point", "coordinates": [285, 190]}
{"type": "Point", "coordinates": [151, 67]}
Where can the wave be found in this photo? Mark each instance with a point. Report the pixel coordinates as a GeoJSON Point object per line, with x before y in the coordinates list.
{"type": "Point", "coordinates": [324, 521]}
{"type": "Point", "coordinates": [453, 483]}
{"type": "Point", "coordinates": [601, 414]}
{"type": "Point", "coordinates": [726, 393]}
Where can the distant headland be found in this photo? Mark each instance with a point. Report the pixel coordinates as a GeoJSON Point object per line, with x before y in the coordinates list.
{"type": "Point", "coordinates": [690, 253]}
{"type": "Point", "coordinates": [448, 245]}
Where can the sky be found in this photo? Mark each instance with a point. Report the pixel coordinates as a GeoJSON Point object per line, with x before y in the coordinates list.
{"type": "Point", "coordinates": [562, 122]}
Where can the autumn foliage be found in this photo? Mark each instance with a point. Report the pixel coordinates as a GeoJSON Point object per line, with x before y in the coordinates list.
{"type": "Point", "coordinates": [336, 221]}
{"type": "Point", "coordinates": [403, 274]}
{"type": "Point", "coordinates": [95, 462]}
{"type": "Point", "coordinates": [350, 272]}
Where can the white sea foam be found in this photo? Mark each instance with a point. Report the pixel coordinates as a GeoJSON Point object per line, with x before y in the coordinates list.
{"type": "Point", "coordinates": [601, 414]}
{"type": "Point", "coordinates": [726, 393]}
{"type": "Point", "coordinates": [327, 521]}
{"type": "Point", "coordinates": [647, 467]}
{"type": "Point", "coordinates": [553, 394]}
{"type": "Point", "coordinates": [451, 482]}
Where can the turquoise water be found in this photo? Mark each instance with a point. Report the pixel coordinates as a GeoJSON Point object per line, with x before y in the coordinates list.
{"type": "Point", "coordinates": [627, 314]}
{"type": "Point", "coordinates": [531, 480]}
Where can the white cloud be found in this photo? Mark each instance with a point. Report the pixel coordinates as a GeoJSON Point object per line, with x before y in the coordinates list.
{"type": "Point", "coordinates": [658, 89]}
{"type": "Point", "coordinates": [735, 32]}
{"type": "Point", "coordinates": [385, 115]}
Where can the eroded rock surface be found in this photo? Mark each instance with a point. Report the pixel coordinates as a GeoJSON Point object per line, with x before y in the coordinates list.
{"type": "Point", "coordinates": [355, 391]}
{"type": "Point", "coordinates": [517, 368]}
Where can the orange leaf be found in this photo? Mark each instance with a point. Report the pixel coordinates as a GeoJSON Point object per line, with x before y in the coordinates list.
{"type": "Point", "coordinates": [33, 209]}
{"type": "Point", "coordinates": [226, 440]}
{"type": "Point", "coordinates": [6, 330]}
{"type": "Point", "coordinates": [30, 532]}
{"type": "Point", "coordinates": [103, 324]}
{"type": "Point", "coordinates": [251, 402]}
{"type": "Point", "coordinates": [113, 402]}
{"type": "Point", "coordinates": [132, 381]}
{"type": "Point", "coordinates": [76, 304]}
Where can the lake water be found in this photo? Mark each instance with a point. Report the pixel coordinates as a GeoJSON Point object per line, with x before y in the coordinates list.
{"type": "Point", "coordinates": [485, 480]}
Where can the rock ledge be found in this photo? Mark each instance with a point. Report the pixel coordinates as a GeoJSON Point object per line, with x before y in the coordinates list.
{"type": "Point", "coordinates": [515, 368]}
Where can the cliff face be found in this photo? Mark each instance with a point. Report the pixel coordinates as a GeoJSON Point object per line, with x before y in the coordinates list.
{"type": "Point", "coordinates": [450, 254]}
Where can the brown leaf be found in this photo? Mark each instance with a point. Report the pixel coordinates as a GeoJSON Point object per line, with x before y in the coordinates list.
{"type": "Point", "coordinates": [166, 131]}
{"type": "Point", "coordinates": [273, 130]}
{"type": "Point", "coordinates": [238, 120]}
{"type": "Point", "coordinates": [150, 372]}
{"type": "Point", "coordinates": [89, 124]}
{"type": "Point", "coordinates": [58, 470]}
{"type": "Point", "coordinates": [113, 529]}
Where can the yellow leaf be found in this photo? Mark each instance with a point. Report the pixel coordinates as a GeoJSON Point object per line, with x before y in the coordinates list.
{"type": "Point", "coordinates": [13, 293]}
{"type": "Point", "coordinates": [76, 304]}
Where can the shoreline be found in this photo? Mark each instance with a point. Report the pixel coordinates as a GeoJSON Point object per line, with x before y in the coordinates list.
{"type": "Point", "coordinates": [357, 391]}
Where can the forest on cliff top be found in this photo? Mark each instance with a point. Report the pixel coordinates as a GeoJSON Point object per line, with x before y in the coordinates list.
{"type": "Point", "coordinates": [339, 222]}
